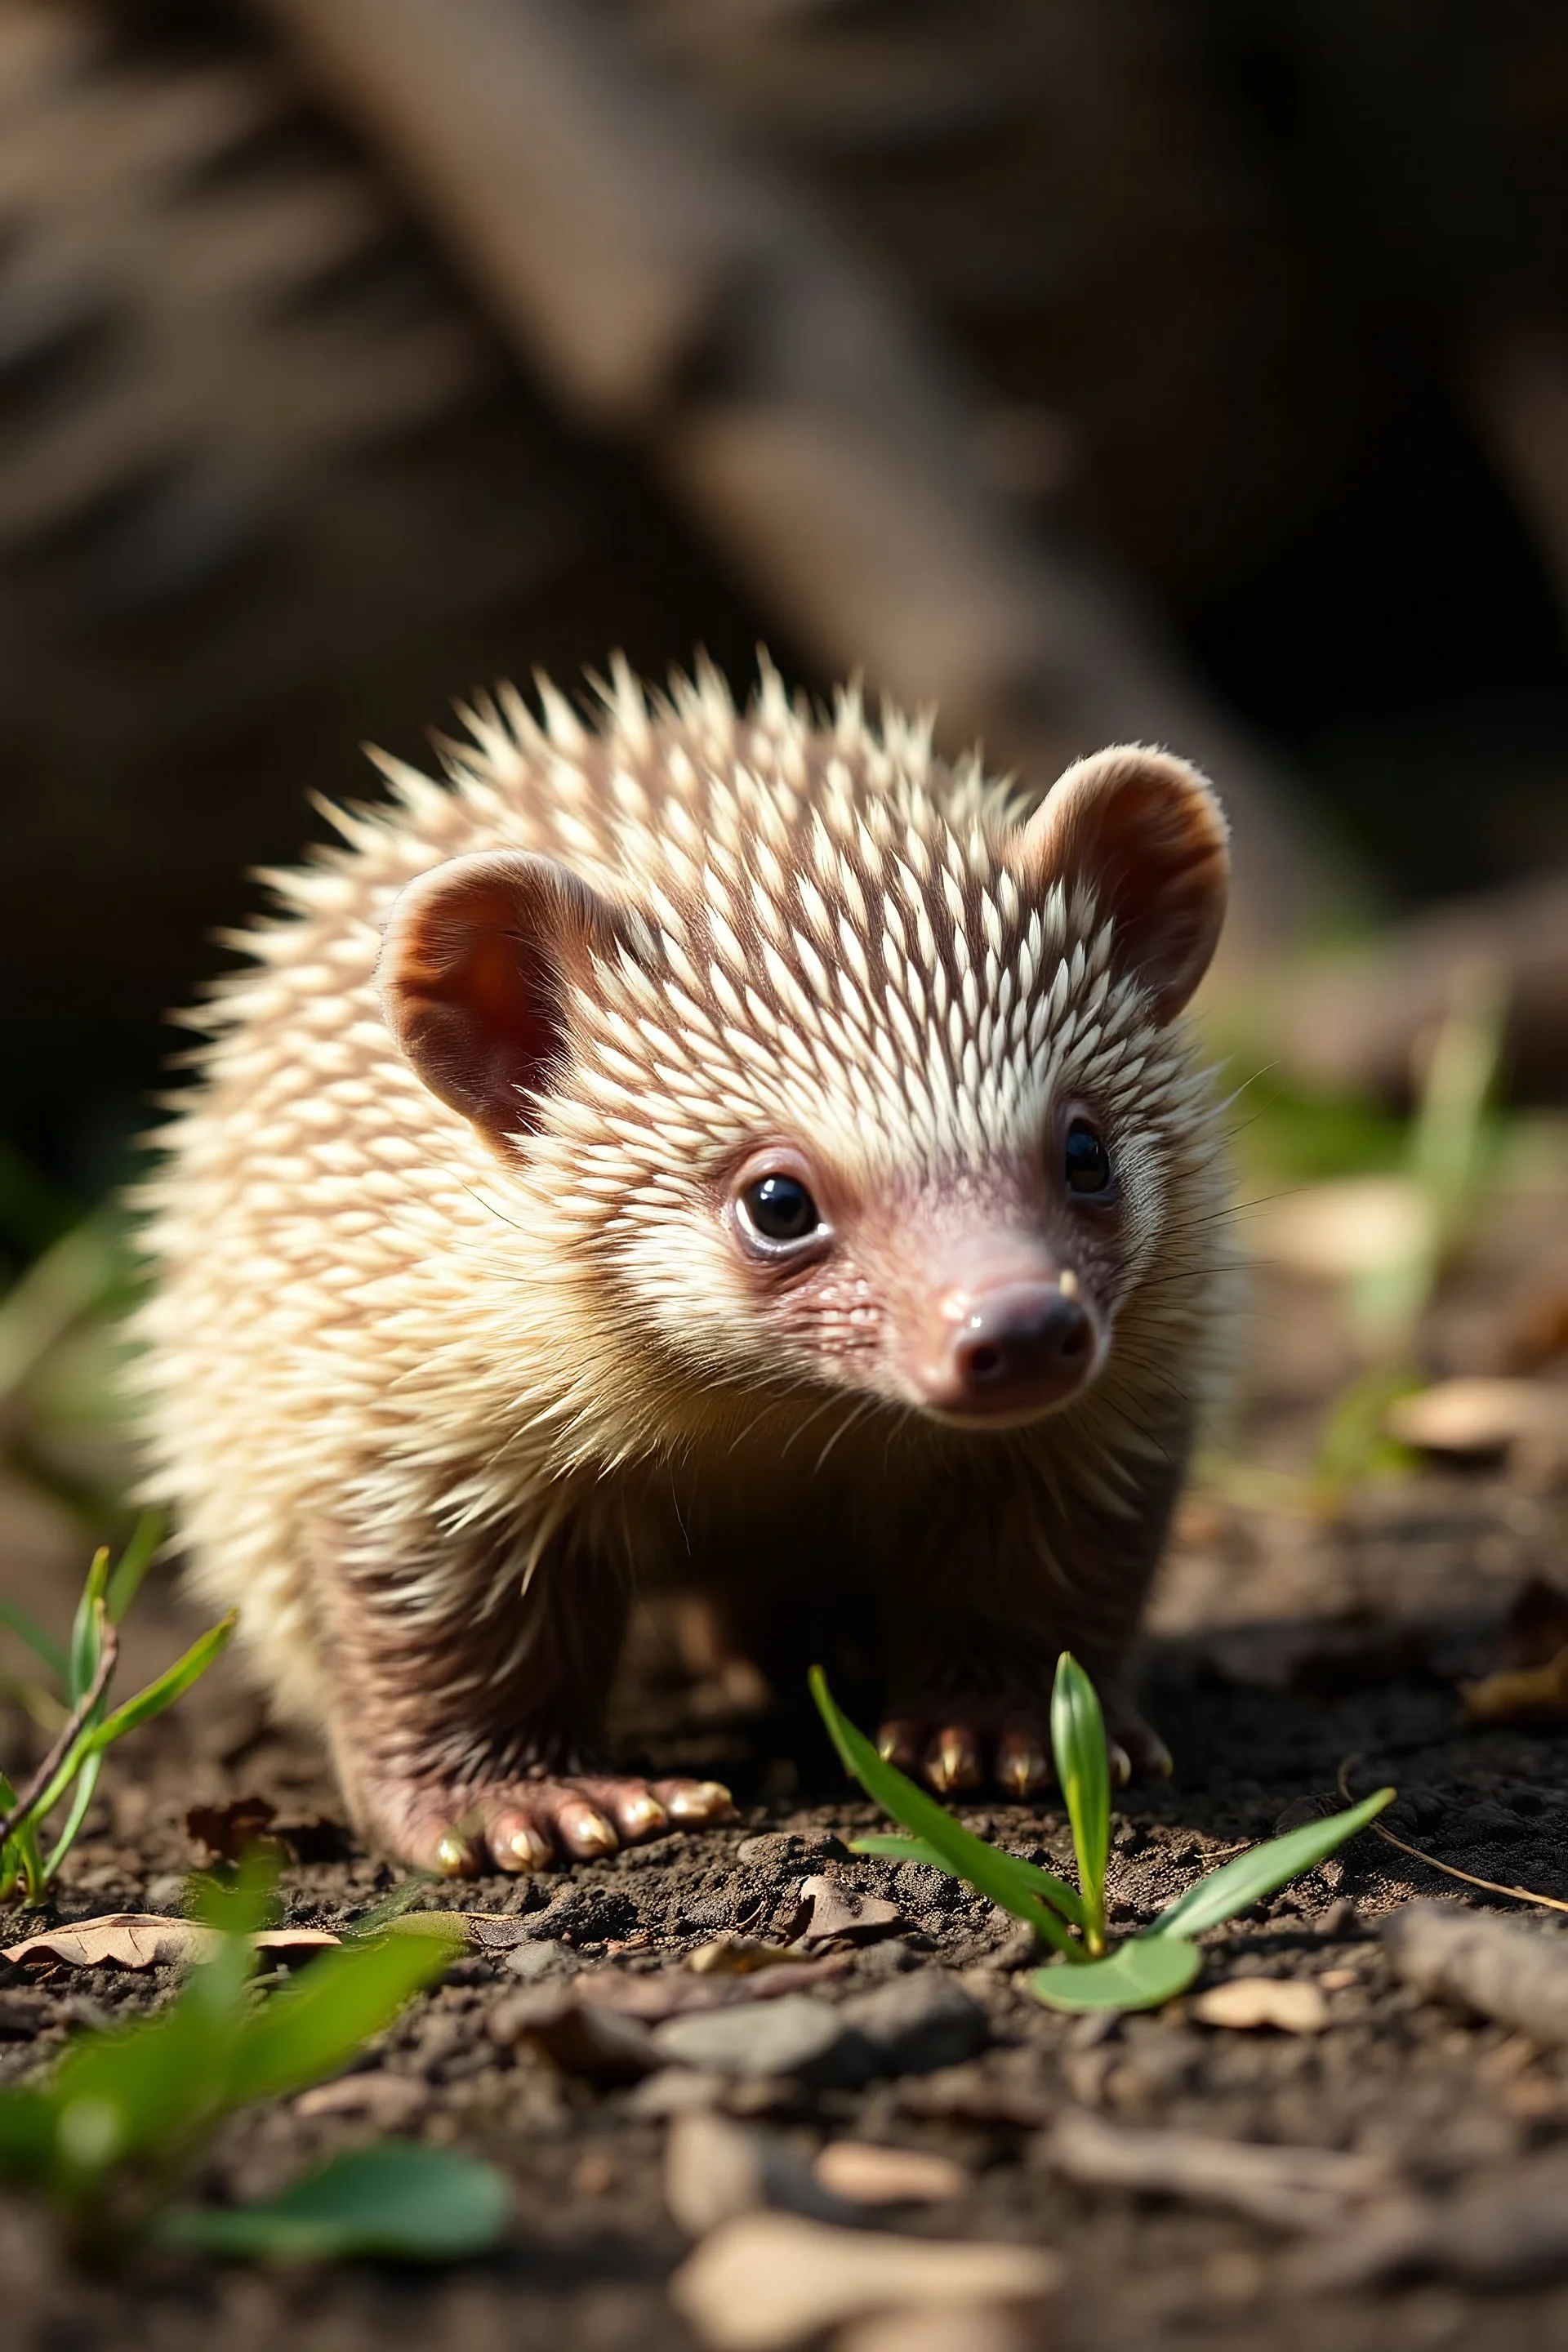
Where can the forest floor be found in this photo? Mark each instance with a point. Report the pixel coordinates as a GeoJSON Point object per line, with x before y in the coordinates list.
{"type": "Point", "coordinates": [1286, 1645]}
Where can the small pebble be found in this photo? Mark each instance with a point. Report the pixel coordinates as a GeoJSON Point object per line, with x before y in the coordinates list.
{"type": "Point", "coordinates": [796, 2036]}
{"type": "Point", "coordinates": [714, 2168]}
{"type": "Point", "coordinates": [549, 1958]}
{"type": "Point", "coordinates": [1291, 2004]}
{"type": "Point", "coordinates": [918, 2023]}
{"type": "Point", "coordinates": [889, 2176]}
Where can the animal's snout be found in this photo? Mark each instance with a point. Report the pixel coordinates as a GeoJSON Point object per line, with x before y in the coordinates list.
{"type": "Point", "coordinates": [1008, 1352]}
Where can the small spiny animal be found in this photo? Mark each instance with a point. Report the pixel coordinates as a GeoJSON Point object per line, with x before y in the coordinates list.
{"type": "Point", "coordinates": [732, 1147]}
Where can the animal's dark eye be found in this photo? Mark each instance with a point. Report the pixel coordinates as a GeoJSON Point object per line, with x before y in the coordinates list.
{"type": "Point", "coordinates": [1085, 1159]}
{"type": "Point", "coordinates": [780, 1209]}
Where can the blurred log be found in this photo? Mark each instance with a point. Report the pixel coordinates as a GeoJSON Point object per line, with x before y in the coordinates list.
{"type": "Point", "coordinates": [683, 298]}
{"type": "Point", "coordinates": [1515, 1974]}
{"type": "Point", "coordinates": [1520, 384]}
{"type": "Point", "coordinates": [1358, 1021]}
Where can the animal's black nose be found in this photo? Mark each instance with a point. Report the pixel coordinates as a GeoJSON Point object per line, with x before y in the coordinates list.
{"type": "Point", "coordinates": [1011, 1351]}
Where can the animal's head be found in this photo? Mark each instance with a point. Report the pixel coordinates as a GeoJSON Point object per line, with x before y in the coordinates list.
{"type": "Point", "coordinates": [862, 1082]}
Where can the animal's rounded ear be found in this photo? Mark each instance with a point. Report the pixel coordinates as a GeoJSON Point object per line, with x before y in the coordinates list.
{"type": "Point", "coordinates": [474, 974]}
{"type": "Point", "coordinates": [1143, 831]}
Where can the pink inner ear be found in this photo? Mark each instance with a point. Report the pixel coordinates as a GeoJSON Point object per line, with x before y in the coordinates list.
{"type": "Point", "coordinates": [471, 983]}
{"type": "Point", "coordinates": [1142, 831]}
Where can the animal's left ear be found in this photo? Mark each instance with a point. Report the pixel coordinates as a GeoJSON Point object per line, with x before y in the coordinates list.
{"type": "Point", "coordinates": [1143, 831]}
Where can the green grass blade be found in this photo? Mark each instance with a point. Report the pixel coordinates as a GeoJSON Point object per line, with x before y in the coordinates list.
{"type": "Point", "coordinates": [1083, 1770]}
{"type": "Point", "coordinates": [81, 1275]}
{"type": "Point", "coordinates": [171, 1685]}
{"type": "Point", "coordinates": [26, 1837]}
{"type": "Point", "coordinates": [81, 1799]}
{"type": "Point", "coordinates": [42, 1642]}
{"type": "Point", "coordinates": [1143, 1973]}
{"type": "Point", "coordinates": [87, 1638]}
{"type": "Point", "coordinates": [134, 1561]}
{"type": "Point", "coordinates": [98, 1737]}
{"type": "Point", "coordinates": [960, 1853]}
{"type": "Point", "coordinates": [1251, 1875]}
{"type": "Point", "coordinates": [394, 1905]}
{"type": "Point", "coordinates": [26, 2135]}
{"type": "Point", "coordinates": [315, 2026]}
{"type": "Point", "coordinates": [400, 2201]}
{"type": "Point", "coordinates": [32, 1214]}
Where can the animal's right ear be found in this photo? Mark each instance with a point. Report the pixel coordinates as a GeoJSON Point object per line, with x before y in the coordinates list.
{"type": "Point", "coordinates": [474, 976]}
{"type": "Point", "coordinates": [1143, 832]}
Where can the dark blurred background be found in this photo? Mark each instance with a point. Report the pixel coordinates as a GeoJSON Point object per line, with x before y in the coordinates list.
{"type": "Point", "coordinates": [1092, 368]}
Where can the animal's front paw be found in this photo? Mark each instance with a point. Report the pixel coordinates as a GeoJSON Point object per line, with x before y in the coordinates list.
{"type": "Point", "coordinates": [526, 1825]}
{"type": "Point", "coordinates": [968, 1743]}
{"type": "Point", "coordinates": [964, 1744]}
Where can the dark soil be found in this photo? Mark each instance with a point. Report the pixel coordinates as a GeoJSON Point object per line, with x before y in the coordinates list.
{"type": "Point", "coordinates": [1283, 1646]}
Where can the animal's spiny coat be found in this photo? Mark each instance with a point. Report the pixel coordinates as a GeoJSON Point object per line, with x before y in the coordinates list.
{"type": "Point", "coordinates": [424, 1400]}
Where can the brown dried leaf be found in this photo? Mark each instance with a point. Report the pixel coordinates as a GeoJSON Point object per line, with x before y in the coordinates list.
{"type": "Point", "coordinates": [228, 1832]}
{"type": "Point", "coordinates": [1536, 1626]}
{"type": "Point", "coordinates": [225, 1831]}
{"type": "Point", "coordinates": [1528, 1690]}
{"type": "Point", "coordinates": [146, 1939]}
{"type": "Point", "coordinates": [829, 1910]}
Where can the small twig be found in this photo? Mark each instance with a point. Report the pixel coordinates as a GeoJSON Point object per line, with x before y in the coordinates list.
{"type": "Point", "coordinates": [1449, 1869]}
{"type": "Point", "coordinates": [72, 1729]}
{"type": "Point", "coordinates": [1308, 2188]}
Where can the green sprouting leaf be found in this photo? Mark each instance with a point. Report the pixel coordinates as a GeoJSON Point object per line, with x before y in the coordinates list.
{"type": "Point", "coordinates": [171, 1685]}
{"type": "Point", "coordinates": [1142, 1973]}
{"type": "Point", "coordinates": [314, 2027]}
{"type": "Point", "coordinates": [134, 1563]}
{"type": "Point", "coordinates": [42, 1642]}
{"type": "Point", "coordinates": [26, 2135]}
{"type": "Point", "coordinates": [399, 2200]}
{"type": "Point", "coordinates": [958, 1852]}
{"type": "Point", "coordinates": [1032, 1882]}
{"type": "Point", "coordinates": [143, 2092]}
{"type": "Point", "coordinates": [1083, 1770]}
{"type": "Point", "coordinates": [1251, 1875]}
